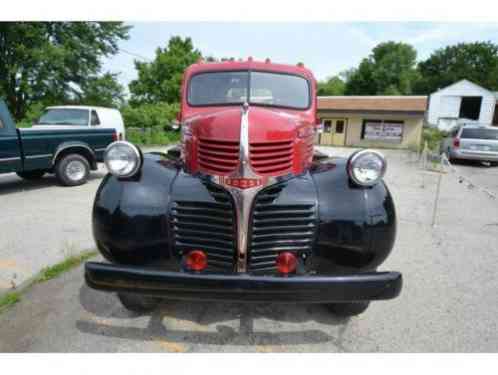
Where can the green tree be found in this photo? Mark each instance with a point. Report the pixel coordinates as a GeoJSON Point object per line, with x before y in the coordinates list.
{"type": "Point", "coordinates": [390, 70]}
{"type": "Point", "coordinates": [160, 80]}
{"type": "Point", "coordinates": [477, 62]}
{"type": "Point", "coordinates": [49, 61]}
{"type": "Point", "coordinates": [332, 86]}
{"type": "Point", "coordinates": [104, 90]}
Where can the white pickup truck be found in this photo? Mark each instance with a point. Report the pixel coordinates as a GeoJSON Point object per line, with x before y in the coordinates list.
{"type": "Point", "coordinates": [71, 116]}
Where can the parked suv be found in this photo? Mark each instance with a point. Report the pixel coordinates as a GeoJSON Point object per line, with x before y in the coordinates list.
{"type": "Point", "coordinates": [472, 143]}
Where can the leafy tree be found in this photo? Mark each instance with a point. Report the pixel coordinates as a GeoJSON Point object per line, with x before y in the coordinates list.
{"type": "Point", "coordinates": [390, 69]}
{"type": "Point", "coordinates": [49, 61]}
{"type": "Point", "coordinates": [160, 80]}
{"type": "Point", "coordinates": [477, 62]}
{"type": "Point", "coordinates": [332, 86]}
{"type": "Point", "coordinates": [103, 91]}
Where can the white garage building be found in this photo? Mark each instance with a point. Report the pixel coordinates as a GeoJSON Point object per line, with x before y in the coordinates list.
{"type": "Point", "coordinates": [463, 102]}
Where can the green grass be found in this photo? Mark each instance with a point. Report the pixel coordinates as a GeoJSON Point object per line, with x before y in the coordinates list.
{"type": "Point", "coordinates": [8, 300]}
{"type": "Point", "coordinates": [46, 274]}
{"type": "Point", "coordinates": [67, 264]}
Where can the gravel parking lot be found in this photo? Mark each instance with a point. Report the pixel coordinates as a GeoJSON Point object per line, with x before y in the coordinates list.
{"type": "Point", "coordinates": [448, 302]}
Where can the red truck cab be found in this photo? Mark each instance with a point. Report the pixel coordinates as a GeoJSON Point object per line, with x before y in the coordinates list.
{"type": "Point", "coordinates": [280, 102]}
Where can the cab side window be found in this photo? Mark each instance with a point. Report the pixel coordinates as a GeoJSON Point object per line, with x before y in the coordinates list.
{"type": "Point", "coordinates": [95, 119]}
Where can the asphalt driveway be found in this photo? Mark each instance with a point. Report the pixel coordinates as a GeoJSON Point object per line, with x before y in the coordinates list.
{"type": "Point", "coordinates": [448, 302]}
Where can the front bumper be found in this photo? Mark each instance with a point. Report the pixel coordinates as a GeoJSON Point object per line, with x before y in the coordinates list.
{"type": "Point", "coordinates": [243, 287]}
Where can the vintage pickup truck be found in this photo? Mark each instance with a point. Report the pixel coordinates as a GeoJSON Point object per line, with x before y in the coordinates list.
{"type": "Point", "coordinates": [69, 153]}
{"type": "Point", "coordinates": [246, 213]}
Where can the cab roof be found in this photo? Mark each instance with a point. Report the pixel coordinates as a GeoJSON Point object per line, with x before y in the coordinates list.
{"type": "Point", "coordinates": [249, 64]}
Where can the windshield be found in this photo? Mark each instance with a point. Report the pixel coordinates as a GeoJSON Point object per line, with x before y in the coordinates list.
{"type": "Point", "coordinates": [480, 134]}
{"type": "Point", "coordinates": [271, 89]}
{"type": "Point", "coordinates": [64, 116]}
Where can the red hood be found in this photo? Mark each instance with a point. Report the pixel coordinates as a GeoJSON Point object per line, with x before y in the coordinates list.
{"type": "Point", "coordinates": [275, 148]}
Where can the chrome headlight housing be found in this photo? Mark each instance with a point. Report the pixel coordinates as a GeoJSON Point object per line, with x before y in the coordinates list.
{"type": "Point", "coordinates": [366, 167]}
{"type": "Point", "coordinates": [123, 159]}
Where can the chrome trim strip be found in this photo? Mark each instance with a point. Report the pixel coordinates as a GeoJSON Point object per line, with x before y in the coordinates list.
{"type": "Point", "coordinates": [9, 159]}
{"type": "Point", "coordinates": [40, 156]}
{"type": "Point", "coordinates": [243, 198]}
{"type": "Point", "coordinates": [100, 149]}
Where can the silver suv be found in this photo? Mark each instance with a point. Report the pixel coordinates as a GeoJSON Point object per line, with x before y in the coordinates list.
{"type": "Point", "coordinates": [472, 143]}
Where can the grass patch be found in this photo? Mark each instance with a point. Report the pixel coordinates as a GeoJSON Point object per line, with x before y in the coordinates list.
{"type": "Point", "coordinates": [9, 299]}
{"type": "Point", "coordinates": [67, 264]}
{"type": "Point", "coordinates": [46, 274]}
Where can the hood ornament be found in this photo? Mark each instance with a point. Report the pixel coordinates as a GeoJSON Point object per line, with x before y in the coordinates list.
{"type": "Point", "coordinates": [243, 185]}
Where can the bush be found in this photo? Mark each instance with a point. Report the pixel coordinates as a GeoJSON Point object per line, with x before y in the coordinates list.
{"type": "Point", "coordinates": [150, 115]}
{"type": "Point", "coordinates": [152, 136]}
{"type": "Point", "coordinates": [33, 113]}
{"type": "Point", "coordinates": [433, 137]}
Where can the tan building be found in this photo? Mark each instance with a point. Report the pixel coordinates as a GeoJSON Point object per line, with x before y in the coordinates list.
{"type": "Point", "coordinates": [372, 121]}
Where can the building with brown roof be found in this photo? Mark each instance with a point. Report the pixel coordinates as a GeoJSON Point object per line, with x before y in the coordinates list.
{"type": "Point", "coordinates": [372, 121]}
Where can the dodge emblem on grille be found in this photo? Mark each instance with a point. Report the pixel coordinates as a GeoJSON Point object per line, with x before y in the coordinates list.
{"type": "Point", "coordinates": [242, 183]}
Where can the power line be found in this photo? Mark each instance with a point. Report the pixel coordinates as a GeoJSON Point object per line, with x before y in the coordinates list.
{"type": "Point", "coordinates": [134, 54]}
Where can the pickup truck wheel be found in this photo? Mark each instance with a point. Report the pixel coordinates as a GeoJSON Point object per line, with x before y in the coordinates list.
{"type": "Point", "coordinates": [137, 303]}
{"type": "Point", "coordinates": [348, 309]}
{"type": "Point", "coordinates": [31, 175]}
{"type": "Point", "coordinates": [72, 170]}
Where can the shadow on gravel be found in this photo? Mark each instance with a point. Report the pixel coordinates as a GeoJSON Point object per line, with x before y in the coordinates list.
{"type": "Point", "coordinates": [17, 185]}
{"type": "Point", "coordinates": [197, 316]}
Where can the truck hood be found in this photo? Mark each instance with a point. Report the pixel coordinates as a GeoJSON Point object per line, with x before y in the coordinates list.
{"type": "Point", "coordinates": [265, 124]}
{"type": "Point", "coordinates": [274, 146]}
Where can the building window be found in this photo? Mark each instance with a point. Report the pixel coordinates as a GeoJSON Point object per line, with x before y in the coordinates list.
{"type": "Point", "coordinates": [382, 130]}
{"type": "Point", "coordinates": [327, 124]}
{"type": "Point", "coordinates": [339, 126]}
{"type": "Point", "coordinates": [470, 107]}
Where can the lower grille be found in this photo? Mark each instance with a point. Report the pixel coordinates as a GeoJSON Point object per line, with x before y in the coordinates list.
{"type": "Point", "coordinates": [277, 228]}
{"type": "Point", "coordinates": [207, 226]}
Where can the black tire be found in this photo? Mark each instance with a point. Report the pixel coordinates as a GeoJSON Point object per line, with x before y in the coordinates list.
{"type": "Point", "coordinates": [31, 175]}
{"type": "Point", "coordinates": [348, 309]}
{"type": "Point", "coordinates": [72, 170]}
{"type": "Point", "coordinates": [137, 303]}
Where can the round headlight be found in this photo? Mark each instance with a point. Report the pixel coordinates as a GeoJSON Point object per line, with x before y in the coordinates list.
{"type": "Point", "coordinates": [366, 167]}
{"type": "Point", "coordinates": [122, 159]}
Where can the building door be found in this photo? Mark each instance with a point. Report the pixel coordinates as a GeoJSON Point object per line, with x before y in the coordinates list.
{"type": "Point", "coordinates": [334, 132]}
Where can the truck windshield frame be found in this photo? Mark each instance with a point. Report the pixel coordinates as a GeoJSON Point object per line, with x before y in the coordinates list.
{"type": "Point", "coordinates": [65, 116]}
{"type": "Point", "coordinates": [247, 86]}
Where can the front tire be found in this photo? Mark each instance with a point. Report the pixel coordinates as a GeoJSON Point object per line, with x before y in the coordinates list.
{"type": "Point", "coordinates": [348, 309]}
{"type": "Point", "coordinates": [137, 303]}
{"type": "Point", "coordinates": [31, 175]}
{"type": "Point", "coordinates": [72, 170]}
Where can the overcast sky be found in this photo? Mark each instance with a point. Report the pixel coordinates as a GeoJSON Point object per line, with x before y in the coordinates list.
{"type": "Point", "coordinates": [326, 48]}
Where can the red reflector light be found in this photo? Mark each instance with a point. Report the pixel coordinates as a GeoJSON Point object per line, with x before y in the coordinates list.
{"type": "Point", "coordinates": [286, 263]}
{"type": "Point", "coordinates": [114, 137]}
{"type": "Point", "coordinates": [456, 142]}
{"type": "Point", "coordinates": [196, 260]}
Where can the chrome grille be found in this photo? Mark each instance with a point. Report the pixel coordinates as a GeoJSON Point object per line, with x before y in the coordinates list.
{"type": "Point", "coordinates": [207, 226]}
{"type": "Point", "coordinates": [277, 228]}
